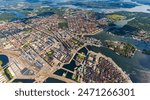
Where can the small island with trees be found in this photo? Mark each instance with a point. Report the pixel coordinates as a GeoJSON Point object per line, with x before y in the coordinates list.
{"type": "Point", "coordinates": [121, 48]}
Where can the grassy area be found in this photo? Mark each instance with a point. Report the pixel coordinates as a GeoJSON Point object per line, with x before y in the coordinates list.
{"type": "Point", "coordinates": [77, 78]}
{"type": "Point", "coordinates": [75, 41]}
{"type": "Point", "coordinates": [26, 45]}
{"type": "Point", "coordinates": [74, 77]}
{"type": "Point", "coordinates": [1, 62]}
{"type": "Point", "coordinates": [63, 25]}
{"type": "Point", "coordinates": [1, 68]}
{"type": "Point", "coordinates": [116, 17]}
{"type": "Point", "coordinates": [8, 72]}
{"type": "Point", "coordinates": [81, 56]}
{"type": "Point", "coordinates": [49, 54]}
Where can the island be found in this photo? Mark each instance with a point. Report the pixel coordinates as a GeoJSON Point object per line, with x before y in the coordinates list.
{"type": "Point", "coordinates": [121, 48]}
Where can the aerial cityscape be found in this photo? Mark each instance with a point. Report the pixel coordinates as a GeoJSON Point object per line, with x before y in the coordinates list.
{"type": "Point", "coordinates": [75, 41]}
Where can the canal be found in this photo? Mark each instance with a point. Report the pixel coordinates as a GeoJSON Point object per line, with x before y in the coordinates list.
{"type": "Point", "coordinates": [52, 80]}
{"type": "Point", "coordinates": [23, 81]}
{"type": "Point", "coordinates": [4, 60]}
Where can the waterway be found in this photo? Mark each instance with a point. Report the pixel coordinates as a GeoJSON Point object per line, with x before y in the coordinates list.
{"type": "Point", "coordinates": [136, 67]}
{"type": "Point", "coordinates": [52, 80]}
{"type": "Point", "coordinates": [49, 80]}
{"type": "Point", "coordinates": [4, 59]}
{"type": "Point", "coordinates": [23, 81]}
{"type": "Point", "coordinates": [18, 14]}
{"type": "Point", "coordinates": [122, 23]}
{"type": "Point", "coordinates": [71, 66]}
{"type": "Point", "coordinates": [60, 72]}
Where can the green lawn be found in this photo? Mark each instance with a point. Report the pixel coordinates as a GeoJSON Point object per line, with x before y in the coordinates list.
{"type": "Point", "coordinates": [1, 62]}
{"type": "Point", "coordinates": [116, 17]}
{"type": "Point", "coordinates": [8, 72]}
